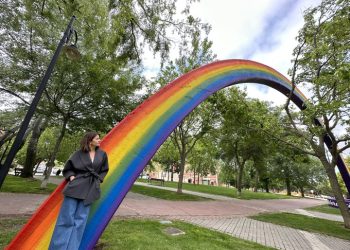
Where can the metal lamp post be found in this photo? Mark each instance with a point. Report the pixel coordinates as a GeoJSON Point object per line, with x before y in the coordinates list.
{"type": "Point", "coordinates": [19, 138]}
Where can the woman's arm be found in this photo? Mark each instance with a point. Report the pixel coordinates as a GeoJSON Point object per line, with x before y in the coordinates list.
{"type": "Point", "coordinates": [68, 171]}
{"type": "Point", "coordinates": [104, 167]}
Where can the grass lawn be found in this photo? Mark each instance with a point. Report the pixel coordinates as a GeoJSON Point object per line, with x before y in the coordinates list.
{"type": "Point", "coordinates": [325, 209]}
{"type": "Point", "coordinates": [230, 192]}
{"type": "Point", "coordinates": [9, 227]}
{"type": "Point", "coordinates": [316, 225]}
{"type": "Point", "coordinates": [15, 184]}
{"type": "Point", "coordinates": [165, 194]}
{"type": "Point", "coordinates": [146, 234]}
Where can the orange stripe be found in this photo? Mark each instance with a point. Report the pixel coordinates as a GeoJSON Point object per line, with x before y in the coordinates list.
{"type": "Point", "coordinates": [34, 226]}
{"type": "Point", "coordinates": [112, 139]}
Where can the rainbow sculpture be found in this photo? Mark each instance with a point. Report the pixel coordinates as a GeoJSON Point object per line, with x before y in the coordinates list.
{"type": "Point", "coordinates": [133, 142]}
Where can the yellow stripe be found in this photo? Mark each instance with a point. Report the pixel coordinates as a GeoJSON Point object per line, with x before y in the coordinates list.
{"type": "Point", "coordinates": [136, 134]}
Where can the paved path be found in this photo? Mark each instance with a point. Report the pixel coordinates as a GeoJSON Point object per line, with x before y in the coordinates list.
{"type": "Point", "coordinates": [271, 235]}
{"type": "Point", "coordinates": [261, 205]}
{"type": "Point", "coordinates": [210, 196]}
{"type": "Point", "coordinates": [223, 214]}
{"type": "Point", "coordinates": [320, 215]}
{"type": "Point", "coordinates": [143, 206]}
{"type": "Point", "coordinates": [16, 204]}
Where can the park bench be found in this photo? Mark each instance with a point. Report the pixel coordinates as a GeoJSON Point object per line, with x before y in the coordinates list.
{"type": "Point", "coordinates": [156, 179]}
{"type": "Point", "coordinates": [18, 171]}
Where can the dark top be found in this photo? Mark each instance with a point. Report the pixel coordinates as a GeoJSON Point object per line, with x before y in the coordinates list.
{"type": "Point", "coordinates": [88, 175]}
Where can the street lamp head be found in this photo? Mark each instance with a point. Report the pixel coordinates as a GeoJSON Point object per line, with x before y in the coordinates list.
{"type": "Point", "coordinates": [72, 52]}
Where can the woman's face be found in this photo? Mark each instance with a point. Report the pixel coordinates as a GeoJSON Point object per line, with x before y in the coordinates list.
{"type": "Point", "coordinates": [95, 141]}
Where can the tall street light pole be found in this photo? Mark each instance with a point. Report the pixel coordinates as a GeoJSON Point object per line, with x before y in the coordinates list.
{"type": "Point", "coordinates": [19, 138]}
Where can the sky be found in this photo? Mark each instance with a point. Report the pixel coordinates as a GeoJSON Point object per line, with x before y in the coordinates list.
{"type": "Point", "coordinates": [259, 30]}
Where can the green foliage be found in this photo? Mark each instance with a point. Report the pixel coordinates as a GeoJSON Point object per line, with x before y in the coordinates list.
{"type": "Point", "coordinates": [94, 92]}
{"type": "Point", "coordinates": [10, 119]}
{"type": "Point", "coordinates": [167, 156]}
{"type": "Point", "coordinates": [322, 64]}
{"type": "Point", "coordinates": [303, 172]}
{"type": "Point", "coordinates": [245, 132]}
{"type": "Point", "coordinates": [97, 91]}
{"type": "Point", "coordinates": [227, 175]}
{"type": "Point", "coordinates": [46, 145]}
{"type": "Point", "coordinates": [194, 52]}
{"type": "Point", "coordinates": [203, 156]}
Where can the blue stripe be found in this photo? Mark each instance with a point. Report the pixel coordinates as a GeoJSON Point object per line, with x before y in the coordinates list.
{"type": "Point", "coordinates": [161, 130]}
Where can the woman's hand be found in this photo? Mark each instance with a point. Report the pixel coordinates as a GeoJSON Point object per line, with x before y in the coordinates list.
{"type": "Point", "coordinates": [72, 177]}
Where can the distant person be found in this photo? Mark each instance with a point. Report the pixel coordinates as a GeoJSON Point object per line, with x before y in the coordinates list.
{"type": "Point", "coordinates": [84, 171]}
{"type": "Point", "coordinates": [58, 172]}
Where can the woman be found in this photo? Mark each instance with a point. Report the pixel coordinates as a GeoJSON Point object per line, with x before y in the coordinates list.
{"type": "Point", "coordinates": [84, 170]}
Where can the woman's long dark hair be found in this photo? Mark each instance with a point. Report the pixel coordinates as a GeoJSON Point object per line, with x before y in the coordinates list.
{"type": "Point", "coordinates": [85, 141]}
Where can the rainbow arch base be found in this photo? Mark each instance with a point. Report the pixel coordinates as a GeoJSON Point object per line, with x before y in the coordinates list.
{"type": "Point", "coordinates": [134, 141]}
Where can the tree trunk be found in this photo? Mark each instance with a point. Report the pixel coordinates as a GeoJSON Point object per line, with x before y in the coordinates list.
{"type": "Point", "coordinates": [9, 141]}
{"type": "Point", "coordinates": [36, 167]}
{"type": "Point", "coordinates": [302, 191]}
{"type": "Point", "coordinates": [51, 163]}
{"type": "Point", "coordinates": [239, 179]}
{"type": "Point", "coordinates": [289, 191]}
{"type": "Point", "coordinates": [38, 128]}
{"type": "Point", "coordinates": [256, 181]}
{"type": "Point", "coordinates": [198, 179]}
{"type": "Point", "coordinates": [172, 173]}
{"type": "Point", "coordinates": [194, 177]}
{"type": "Point", "coordinates": [267, 185]}
{"type": "Point", "coordinates": [182, 170]}
{"type": "Point", "coordinates": [344, 210]}
{"type": "Point", "coordinates": [8, 135]}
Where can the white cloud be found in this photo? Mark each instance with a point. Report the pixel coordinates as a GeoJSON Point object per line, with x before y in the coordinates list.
{"type": "Point", "coordinates": [259, 30]}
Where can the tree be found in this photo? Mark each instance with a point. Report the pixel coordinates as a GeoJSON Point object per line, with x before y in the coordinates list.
{"type": "Point", "coordinates": [38, 128]}
{"type": "Point", "coordinates": [188, 133]}
{"type": "Point", "coordinates": [244, 129]}
{"type": "Point", "coordinates": [297, 170]}
{"type": "Point", "coordinates": [168, 157]}
{"type": "Point", "coordinates": [227, 175]}
{"type": "Point", "coordinates": [107, 75]}
{"type": "Point", "coordinates": [322, 62]}
{"type": "Point", "coordinates": [193, 54]}
{"type": "Point", "coordinates": [9, 124]}
{"type": "Point", "coordinates": [203, 159]}
{"type": "Point", "coordinates": [307, 173]}
{"type": "Point", "coordinates": [75, 88]}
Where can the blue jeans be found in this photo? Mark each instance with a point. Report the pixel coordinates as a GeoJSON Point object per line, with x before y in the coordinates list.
{"type": "Point", "coordinates": [70, 225]}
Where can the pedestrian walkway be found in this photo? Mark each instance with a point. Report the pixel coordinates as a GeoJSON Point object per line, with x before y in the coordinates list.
{"type": "Point", "coordinates": [279, 237]}
{"type": "Point", "coordinates": [224, 214]}
{"type": "Point", "coordinates": [225, 198]}
{"type": "Point", "coordinates": [205, 195]}
{"type": "Point", "coordinates": [320, 215]}
{"type": "Point", "coordinates": [268, 234]}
